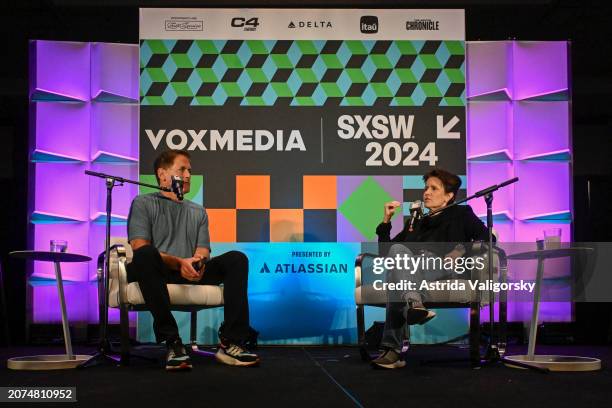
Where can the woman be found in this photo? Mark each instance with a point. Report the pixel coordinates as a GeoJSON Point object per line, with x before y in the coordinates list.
{"type": "Point", "coordinates": [454, 226]}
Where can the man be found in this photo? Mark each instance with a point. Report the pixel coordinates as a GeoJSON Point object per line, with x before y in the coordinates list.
{"type": "Point", "coordinates": [169, 237]}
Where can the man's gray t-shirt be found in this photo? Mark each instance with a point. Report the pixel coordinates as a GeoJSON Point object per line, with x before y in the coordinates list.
{"type": "Point", "coordinates": [176, 228]}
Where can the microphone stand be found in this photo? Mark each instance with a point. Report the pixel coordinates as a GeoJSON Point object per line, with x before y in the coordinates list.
{"type": "Point", "coordinates": [104, 346]}
{"type": "Point", "coordinates": [492, 354]}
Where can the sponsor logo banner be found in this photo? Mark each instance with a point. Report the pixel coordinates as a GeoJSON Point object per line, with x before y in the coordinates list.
{"type": "Point", "coordinates": [307, 24]}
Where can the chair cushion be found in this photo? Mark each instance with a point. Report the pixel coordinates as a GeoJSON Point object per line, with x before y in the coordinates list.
{"type": "Point", "coordinates": [205, 295]}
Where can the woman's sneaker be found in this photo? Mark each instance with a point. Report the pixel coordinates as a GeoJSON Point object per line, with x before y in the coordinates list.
{"type": "Point", "coordinates": [177, 358]}
{"type": "Point", "coordinates": [419, 315]}
{"type": "Point", "coordinates": [232, 354]}
{"type": "Point", "coordinates": [389, 358]}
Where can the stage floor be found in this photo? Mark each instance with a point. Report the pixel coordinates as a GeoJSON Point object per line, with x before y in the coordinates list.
{"type": "Point", "coordinates": [324, 377]}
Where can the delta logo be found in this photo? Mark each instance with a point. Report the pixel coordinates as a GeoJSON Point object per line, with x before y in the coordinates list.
{"type": "Point", "coordinates": [311, 24]}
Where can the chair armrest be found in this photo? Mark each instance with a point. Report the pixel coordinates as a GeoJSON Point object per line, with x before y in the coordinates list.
{"type": "Point", "coordinates": [100, 268]}
{"type": "Point", "coordinates": [358, 264]}
{"type": "Point", "coordinates": [116, 270]}
{"type": "Point", "coordinates": [119, 248]}
{"type": "Point", "coordinates": [503, 264]}
{"type": "Point", "coordinates": [500, 268]}
{"type": "Point", "coordinates": [500, 258]}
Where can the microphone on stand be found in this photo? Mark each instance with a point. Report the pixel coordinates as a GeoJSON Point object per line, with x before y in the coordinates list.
{"type": "Point", "coordinates": [177, 187]}
{"type": "Point", "coordinates": [416, 213]}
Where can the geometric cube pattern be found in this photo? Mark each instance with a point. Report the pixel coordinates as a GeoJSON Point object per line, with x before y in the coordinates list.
{"type": "Point", "coordinates": [302, 72]}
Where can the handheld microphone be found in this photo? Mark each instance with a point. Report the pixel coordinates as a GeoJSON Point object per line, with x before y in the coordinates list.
{"type": "Point", "coordinates": [177, 187]}
{"type": "Point", "coordinates": [416, 212]}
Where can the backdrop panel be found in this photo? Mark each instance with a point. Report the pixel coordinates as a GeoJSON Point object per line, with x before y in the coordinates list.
{"type": "Point", "coordinates": [301, 124]}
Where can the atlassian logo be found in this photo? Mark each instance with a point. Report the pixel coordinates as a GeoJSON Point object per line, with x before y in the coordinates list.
{"type": "Point", "coordinates": [241, 140]}
{"type": "Point", "coordinates": [305, 268]}
{"type": "Point", "coordinates": [368, 24]}
{"type": "Point", "coordinates": [310, 24]}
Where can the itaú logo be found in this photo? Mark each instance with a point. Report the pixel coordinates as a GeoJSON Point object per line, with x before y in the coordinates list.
{"type": "Point", "coordinates": [368, 24]}
{"type": "Point", "coordinates": [241, 140]}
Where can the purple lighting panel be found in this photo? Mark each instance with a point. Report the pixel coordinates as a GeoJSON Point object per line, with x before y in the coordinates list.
{"type": "Point", "coordinates": [519, 125]}
{"type": "Point", "coordinates": [541, 129]}
{"type": "Point", "coordinates": [111, 80]}
{"type": "Point", "coordinates": [59, 70]}
{"type": "Point", "coordinates": [540, 68]}
{"type": "Point", "coordinates": [543, 191]}
{"type": "Point", "coordinates": [84, 115]}
{"type": "Point", "coordinates": [482, 175]}
{"type": "Point", "coordinates": [62, 189]}
{"type": "Point", "coordinates": [489, 69]}
{"type": "Point", "coordinates": [490, 130]}
{"type": "Point", "coordinates": [62, 128]}
{"type": "Point", "coordinates": [113, 125]}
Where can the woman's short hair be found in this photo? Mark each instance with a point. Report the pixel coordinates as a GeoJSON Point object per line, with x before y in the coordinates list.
{"type": "Point", "coordinates": [166, 159]}
{"type": "Point", "coordinates": [450, 181]}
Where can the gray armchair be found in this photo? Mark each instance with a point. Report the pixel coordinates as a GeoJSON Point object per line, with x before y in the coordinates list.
{"type": "Point", "coordinates": [366, 295]}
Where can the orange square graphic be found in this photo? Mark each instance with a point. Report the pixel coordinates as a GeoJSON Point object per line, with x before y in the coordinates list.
{"type": "Point", "coordinates": [319, 192]}
{"type": "Point", "coordinates": [222, 224]}
{"type": "Point", "coordinates": [286, 225]}
{"type": "Point", "coordinates": [252, 192]}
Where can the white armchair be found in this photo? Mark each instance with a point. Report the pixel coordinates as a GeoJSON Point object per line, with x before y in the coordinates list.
{"type": "Point", "coordinates": [128, 297]}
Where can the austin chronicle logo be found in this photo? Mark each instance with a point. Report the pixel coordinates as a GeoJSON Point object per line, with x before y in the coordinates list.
{"type": "Point", "coordinates": [423, 24]}
{"type": "Point", "coordinates": [184, 25]}
{"type": "Point", "coordinates": [369, 24]}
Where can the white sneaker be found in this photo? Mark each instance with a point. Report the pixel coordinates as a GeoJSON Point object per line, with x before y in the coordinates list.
{"type": "Point", "coordinates": [232, 354]}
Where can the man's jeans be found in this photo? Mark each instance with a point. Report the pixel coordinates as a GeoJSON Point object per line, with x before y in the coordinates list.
{"type": "Point", "coordinates": [230, 269]}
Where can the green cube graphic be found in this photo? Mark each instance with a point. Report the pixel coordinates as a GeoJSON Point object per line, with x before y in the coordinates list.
{"type": "Point", "coordinates": [363, 208]}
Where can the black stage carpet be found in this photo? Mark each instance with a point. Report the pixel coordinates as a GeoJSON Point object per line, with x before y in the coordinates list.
{"type": "Point", "coordinates": [325, 377]}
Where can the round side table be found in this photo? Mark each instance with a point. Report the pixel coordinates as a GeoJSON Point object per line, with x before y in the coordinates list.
{"type": "Point", "coordinates": [51, 361]}
{"type": "Point", "coordinates": [551, 362]}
